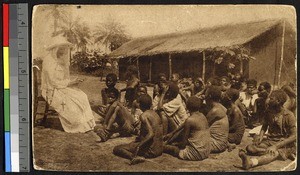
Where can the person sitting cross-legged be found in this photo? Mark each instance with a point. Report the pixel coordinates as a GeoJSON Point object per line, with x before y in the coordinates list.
{"type": "Point", "coordinates": [235, 116]}
{"type": "Point", "coordinates": [149, 143]}
{"type": "Point", "coordinates": [111, 80]}
{"type": "Point", "coordinates": [217, 120]}
{"type": "Point", "coordinates": [194, 143]}
{"type": "Point", "coordinates": [118, 114]}
{"type": "Point", "coordinates": [170, 106]}
{"type": "Point", "coordinates": [281, 140]}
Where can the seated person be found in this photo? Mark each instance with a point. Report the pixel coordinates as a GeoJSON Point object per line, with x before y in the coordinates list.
{"type": "Point", "coordinates": [225, 83]}
{"type": "Point", "coordinates": [194, 143]}
{"type": "Point", "coordinates": [259, 112]}
{"type": "Point", "coordinates": [161, 77]}
{"type": "Point", "coordinates": [236, 81]}
{"type": "Point", "coordinates": [135, 110]}
{"type": "Point", "coordinates": [195, 87]}
{"type": "Point", "coordinates": [235, 116]}
{"type": "Point", "coordinates": [131, 86]}
{"type": "Point", "coordinates": [111, 80]}
{"type": "Point", "coordinates": [281, 140]}
{"type": "Point", "coordinates": [170, 106]}
{"type": "Point", "coordinates": [290, 104]}
{"type": "Point", "coordinates": [119, 114]}
{"type": "Point", "coordinates": [213, 81]}
{"type": "Point", "coordinates": [149, 143]}
{"type": "Point", "coordinates": [217, 120]}
{"type": "Point", "coordinates": [248, 99]}
{"type": "Point", "coordinates": [175, 78]}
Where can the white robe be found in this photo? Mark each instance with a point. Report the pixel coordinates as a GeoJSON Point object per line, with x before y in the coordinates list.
{"type": "Point", "coordinates": [72, 104]}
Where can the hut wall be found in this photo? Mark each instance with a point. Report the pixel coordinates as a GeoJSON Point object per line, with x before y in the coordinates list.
{"type": "Point", "coordinates": [187, 64]}
{"type": "Point", "coordinates": [160, 64]}
{"type": "Point", "coordinates": [267, 51]}
{"type": "Point", "coordinates": [144, 67]}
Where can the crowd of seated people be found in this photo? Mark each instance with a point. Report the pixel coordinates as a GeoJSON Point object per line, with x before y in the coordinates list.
{"type": "Point", "coordinates": [190, 119]}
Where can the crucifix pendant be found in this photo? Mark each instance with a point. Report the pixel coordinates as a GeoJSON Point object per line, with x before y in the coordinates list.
{"type": "Point", "coordinates": [63, 105]}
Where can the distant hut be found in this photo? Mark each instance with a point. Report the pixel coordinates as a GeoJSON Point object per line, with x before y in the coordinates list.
{"type": "Point", "coordinates": [270, 52]}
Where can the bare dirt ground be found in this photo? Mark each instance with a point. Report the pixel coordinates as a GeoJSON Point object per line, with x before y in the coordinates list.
{"type": "Point", "coordinates": [55, 149]}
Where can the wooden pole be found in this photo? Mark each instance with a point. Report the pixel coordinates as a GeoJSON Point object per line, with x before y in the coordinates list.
{"type": "Point", "coordinates": [150, 70]}
{"type": "Point", "coordinates": [203, 68]}
{"type": "Point", "coordinates": [138, 66]}
{"type": "Point", "coordinates": [242, 66]}
{"type": "Point", "coordinates": [170, 67]}
{"type": "Point", "coordinates": [281, 57]}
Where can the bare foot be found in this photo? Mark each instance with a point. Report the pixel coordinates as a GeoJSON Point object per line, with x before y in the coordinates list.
{"type": "Point", "coordinates": [137, 160]}
{"type": "Point", "coordinates": [231, 147]}
{"type": "Point", "coordinates": [245, 159]}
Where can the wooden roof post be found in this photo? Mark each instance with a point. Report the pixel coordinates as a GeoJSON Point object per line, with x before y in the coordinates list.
{"type": "Point", "coordinates": [170, 66]}
{"type": "Point", "coordinates": [281, 57]}
{"type": "Point", "coordinates": [150, 70]}
{"type": "Point", "coordinates": [242, 66]}
{"type": "Point", "coordinates": [138, 66]}
{"type": "Point", "coordinates": [203, 68]}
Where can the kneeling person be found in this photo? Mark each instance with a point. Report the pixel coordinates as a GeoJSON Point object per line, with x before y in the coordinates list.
{"type": "Point", "coordinates": [149, 144]}
{"type": "Point", "coordinates": [195, 142]}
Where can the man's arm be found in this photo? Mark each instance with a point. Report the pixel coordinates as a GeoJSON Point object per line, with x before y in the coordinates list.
{"type": "Point", "coordinates": [286, 141]}
{"type": "Point", "coordinates": [186, 133]}
{"type": "Point", "coordinates": [261, 134]}
{"type": "Point", "coordinates": [174, 134]}
{"type": "Point", "coordinates": [161, 101]}
{"type": "Point", "coordinates": [291, 122]}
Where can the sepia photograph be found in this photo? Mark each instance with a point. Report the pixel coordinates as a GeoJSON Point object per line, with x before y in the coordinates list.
{"type": "Point", "coordinates": [164, 88]}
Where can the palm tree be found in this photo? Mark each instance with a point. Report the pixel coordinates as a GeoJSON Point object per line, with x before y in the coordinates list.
{"type": "Point", "coordinates": [58, 15]}
{"type": "Point", "coordinates": [111, 33]}
{"type": "Point", "coordinates": [76, 33]}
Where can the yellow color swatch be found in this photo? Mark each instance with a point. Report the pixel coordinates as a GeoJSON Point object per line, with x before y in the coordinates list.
{"type": "Point", "coordinates": [6, 67]}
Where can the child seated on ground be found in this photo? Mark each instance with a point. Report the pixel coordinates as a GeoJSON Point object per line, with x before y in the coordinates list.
{"type": "Point", "coordinates": [111, 80]}
{"type": "Point", "coordinates": [260, 106]}
{"type": "Point", "coordinates": [156, 89]}
{"type": "Point", "coordinates": [235, 116]}
{"type": "Point", "coordinates": [194, 143]}
{"type": "Point", "coordinates": [175, 79]}
{"type": "Point", "coordinates": [117, 113]}
{"type": "Point", "coordinates": [131, 86]}
{"type": "Point", "coordinates": [281, 140]}
{"type": "Point", "coordinates": [149, 143]}
{"type": "Point", "coordinates": [170, 107]}
{"type": "Point", "coordinates": [135, 110]}
{"type": "Point", "coordinates": [248, 99]}
{"type": "Point", "coordinates": [195, 87]}
{"type": "Point", "coordinates": [217, 120]}
{"type": "Point", "coordinates": [127, 120]}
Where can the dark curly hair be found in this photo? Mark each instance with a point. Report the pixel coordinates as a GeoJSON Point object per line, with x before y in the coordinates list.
{"type": "Point", "coordinates": [280, 95]}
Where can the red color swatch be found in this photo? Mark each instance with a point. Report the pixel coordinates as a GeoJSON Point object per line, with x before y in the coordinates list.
{"type": "Point", "coordinates": [5, 25]}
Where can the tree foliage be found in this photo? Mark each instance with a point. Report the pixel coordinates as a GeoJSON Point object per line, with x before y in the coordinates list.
{"type": "Point", "coordinates": [228, 55]}
{"type": "Point", "coordinates": [111, 33]}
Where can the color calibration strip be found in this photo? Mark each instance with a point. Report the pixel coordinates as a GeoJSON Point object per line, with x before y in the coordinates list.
{"type": "Point", "coordinates": [16, 87]}
{"type": "Point", "coordinates": [6, 88]}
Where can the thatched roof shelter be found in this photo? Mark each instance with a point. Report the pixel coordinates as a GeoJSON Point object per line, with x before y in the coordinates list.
{"type": "Point", "coordinates": [196, 40]}
{"type": "Point", "coordinates": [268, 41]}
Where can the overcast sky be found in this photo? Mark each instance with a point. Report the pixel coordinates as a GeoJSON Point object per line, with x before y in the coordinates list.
{"type": "Point", "coordinates": [154, 19]}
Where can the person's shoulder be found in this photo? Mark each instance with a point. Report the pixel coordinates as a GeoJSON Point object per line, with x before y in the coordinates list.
{"type": "Point", "coordinates": [288, 114]}
{"type": "Point", "coordinates": [218, 111]}
{"type": "Point", "coordinates": [235, 108]}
